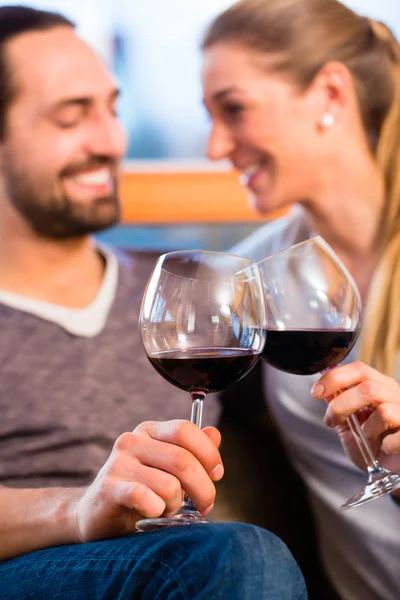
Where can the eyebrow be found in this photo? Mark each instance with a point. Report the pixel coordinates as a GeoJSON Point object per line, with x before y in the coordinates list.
{"type": "Point", "coordinates": [83, 101]}
{"type": "Point", "coordinates": [220, 95]}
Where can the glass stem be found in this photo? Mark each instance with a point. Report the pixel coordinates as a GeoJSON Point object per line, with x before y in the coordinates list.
{"type": "Point", "coordinates": [196, 418]}
{"type": "Point", "coordinates": [363, 444]}
{"type": "Point", "coordinates": [197, 407]}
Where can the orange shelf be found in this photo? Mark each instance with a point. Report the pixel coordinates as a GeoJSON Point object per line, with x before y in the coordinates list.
{"type": "Point", "coordinates": [169, 197]}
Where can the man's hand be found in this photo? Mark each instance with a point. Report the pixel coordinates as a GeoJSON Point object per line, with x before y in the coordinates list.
{"type": "Point", "coordinates": [358, 389]}
{"type": "Point", "coordinates": [146, 475]}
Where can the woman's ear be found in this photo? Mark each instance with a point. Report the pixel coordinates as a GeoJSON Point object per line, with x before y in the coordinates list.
{"type": "Point", "coordinates": [335, 86]}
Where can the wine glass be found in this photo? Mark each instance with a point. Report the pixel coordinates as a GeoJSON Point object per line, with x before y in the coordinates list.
{"type": "Point", "coordinates": [314, 317]}
{"type": "Point", "coordinates": [203, 327]}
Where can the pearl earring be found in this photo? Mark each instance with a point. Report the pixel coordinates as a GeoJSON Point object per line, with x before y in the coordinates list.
{"type": "Point", "coordinates": [327, 121]}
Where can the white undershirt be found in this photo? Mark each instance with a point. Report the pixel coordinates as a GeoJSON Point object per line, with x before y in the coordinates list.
{"type": "Point", "coordinates": [84, 322]}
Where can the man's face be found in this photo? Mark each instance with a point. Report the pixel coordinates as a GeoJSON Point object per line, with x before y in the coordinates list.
{"type": "Point", "coordinates": [63, 143]}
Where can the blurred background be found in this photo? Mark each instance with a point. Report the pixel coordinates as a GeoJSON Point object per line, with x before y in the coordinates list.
{"type": "Point", "coordinates": [172, 196]}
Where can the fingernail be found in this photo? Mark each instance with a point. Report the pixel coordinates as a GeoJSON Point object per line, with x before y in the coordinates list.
{"type": "Point", "coordinates": [317, 390]}
{"type": "Point", "coordinates": [217, 473]}
{"type": "Point", "coordinates": [328, 421]}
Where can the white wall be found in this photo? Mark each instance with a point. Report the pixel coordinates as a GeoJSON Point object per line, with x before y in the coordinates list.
{"type": "Point", "coordinates": [92, 17]}
{"type": "Point", "coordinates": [387, 11]}
{"type": "Point", "coordinates": [161, 106]}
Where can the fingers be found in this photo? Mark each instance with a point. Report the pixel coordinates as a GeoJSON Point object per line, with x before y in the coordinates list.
{"type": "Point", "coordinates": [384, 419]}
{"type": "Point", "coordinates": [165, 487]}
{"type": "Point", "coordinates": [138, 497]}
{"type": "Point", "coordinates": [188, 436]}
{"type": "Point", "coordinates": [214, 435]}
{"type": "Point", "coordinates": [169, 458]}
{"type": "Point", "coordinates": [145, 475]}
{"type": "Point", "coordinates": [347, 402]}
{"type": "Point", "coordinates": [169, 469]}
{"type": "Point", "coordinates": [391, 443]}
{"type": "Point", "coordinates": [335, 380]}
{"type": "Point", "coordinates": [352, 387]}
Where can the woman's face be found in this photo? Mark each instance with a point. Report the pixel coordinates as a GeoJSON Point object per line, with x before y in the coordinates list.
{"type": "Point", "coordinates": [266, 126]}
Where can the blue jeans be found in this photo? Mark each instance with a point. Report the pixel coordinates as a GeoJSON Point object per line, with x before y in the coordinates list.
{"type": "Point", "coordinates": [219, 561]}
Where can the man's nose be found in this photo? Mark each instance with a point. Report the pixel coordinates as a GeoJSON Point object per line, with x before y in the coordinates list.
{"type": "Point", "coordinates": [108, 138]}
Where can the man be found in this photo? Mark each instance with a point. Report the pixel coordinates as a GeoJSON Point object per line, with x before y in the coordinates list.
{"type": "Point", "coordinates": [73, 375]}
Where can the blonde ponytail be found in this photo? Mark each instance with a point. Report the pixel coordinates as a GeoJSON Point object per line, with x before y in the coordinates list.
{"type": "Point", "coordinates": [380, 342]}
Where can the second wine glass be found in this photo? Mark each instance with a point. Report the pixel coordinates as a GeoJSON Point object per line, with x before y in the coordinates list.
{"type": "Point", "coordinates": [314, 319]}
{"type": "Point", "coordinates": [203, 327]}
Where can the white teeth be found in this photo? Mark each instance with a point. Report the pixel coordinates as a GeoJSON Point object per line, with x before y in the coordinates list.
{"type": "Point", "coordinates": [248, 172]}
{"type": "Point", "coordinates": [99, 177]}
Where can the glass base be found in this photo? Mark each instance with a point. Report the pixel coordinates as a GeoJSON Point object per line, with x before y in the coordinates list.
{"type": "Point", "coordinates": [182, 517]}
{"type": "Point", "coordinates": [380, 482]}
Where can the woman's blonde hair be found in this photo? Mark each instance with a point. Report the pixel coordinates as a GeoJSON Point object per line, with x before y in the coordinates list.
{"type": "Point", "coordinates": [302, 36]}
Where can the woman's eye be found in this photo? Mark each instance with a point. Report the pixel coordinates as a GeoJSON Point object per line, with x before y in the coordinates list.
{"type": "Point", "coordinates": [232, 111]}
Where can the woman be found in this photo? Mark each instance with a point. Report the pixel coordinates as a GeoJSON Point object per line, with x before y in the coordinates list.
{"type": "Point", "coordinates": [304, 97]}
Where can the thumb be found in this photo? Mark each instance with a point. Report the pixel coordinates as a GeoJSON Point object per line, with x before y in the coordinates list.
{"type": "Point", "coordinates": [139, 497]}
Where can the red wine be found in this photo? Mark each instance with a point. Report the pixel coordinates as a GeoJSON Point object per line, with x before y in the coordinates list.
{"type": "Point", "coordinates": [208, 369]}
{"type": "Point", "coordinates": [307, 351]}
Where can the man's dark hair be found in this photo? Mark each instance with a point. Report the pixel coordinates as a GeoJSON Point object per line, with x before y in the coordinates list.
{"type": "Point", "coordinates": [15, 20]}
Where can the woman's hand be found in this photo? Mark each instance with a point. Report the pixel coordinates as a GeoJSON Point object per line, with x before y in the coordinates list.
{"type": "Point", "coordinates": [375, 399]}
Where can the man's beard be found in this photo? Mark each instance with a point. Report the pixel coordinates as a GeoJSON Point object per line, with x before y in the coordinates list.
{"type": "Point", "coordinates": [60, 217]}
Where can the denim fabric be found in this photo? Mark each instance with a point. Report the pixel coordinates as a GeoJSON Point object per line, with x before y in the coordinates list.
{"type": "Point", "coordinates": [221, 561]}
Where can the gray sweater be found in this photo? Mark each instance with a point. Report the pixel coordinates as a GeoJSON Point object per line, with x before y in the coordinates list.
{"type": "Point", "coordinates": [65, 399]}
